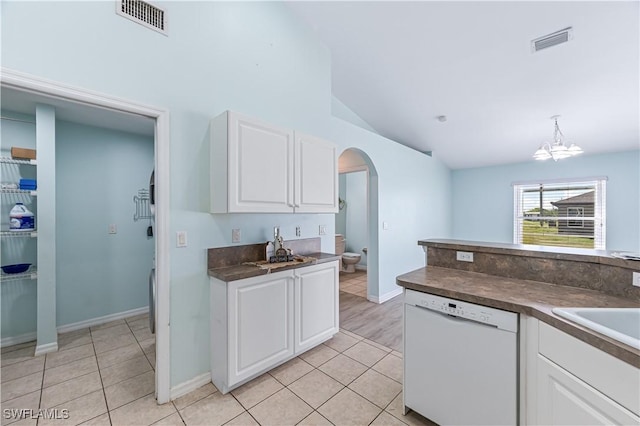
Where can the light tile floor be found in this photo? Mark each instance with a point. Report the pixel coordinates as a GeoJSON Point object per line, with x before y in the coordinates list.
{"type": "Point", "coordinates": [104, 376]}
{"type": "Point", "coordinates": [354, 283]}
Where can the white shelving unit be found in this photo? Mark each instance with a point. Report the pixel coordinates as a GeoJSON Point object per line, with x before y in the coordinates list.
{"type": "Point", "coordinates": [31, 273]}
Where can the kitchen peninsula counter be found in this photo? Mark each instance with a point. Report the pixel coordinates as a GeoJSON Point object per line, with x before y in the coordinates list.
{"type": "Point", "coordinates": [503, 282]}
{"type": "Point", "coordinates": [533, 298]}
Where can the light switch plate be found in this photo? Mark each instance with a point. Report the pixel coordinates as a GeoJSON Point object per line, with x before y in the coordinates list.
{"type": "Point", "coordinates": [385, 226]}
{"type": "Point", "coordinates": [322, 230]}
{"type": "Point", "coordinates": [113, 228]}
{"type": "Point", "coordinates": [181, 239]}
{"type": "Point", "coordinates": [636, 279]}
{"type": "Point", "coordinates": [236, 235]}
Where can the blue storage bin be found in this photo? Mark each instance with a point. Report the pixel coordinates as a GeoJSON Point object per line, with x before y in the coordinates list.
{"type": "Point", "coordinates": [29, 184]}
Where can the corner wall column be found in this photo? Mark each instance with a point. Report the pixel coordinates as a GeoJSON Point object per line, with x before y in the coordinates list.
{"type": "Point", "coordinates": [46, 226]}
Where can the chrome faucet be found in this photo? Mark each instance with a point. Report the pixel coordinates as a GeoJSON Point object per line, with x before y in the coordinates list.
{"type": "Point", "coordinates": [278, 242]}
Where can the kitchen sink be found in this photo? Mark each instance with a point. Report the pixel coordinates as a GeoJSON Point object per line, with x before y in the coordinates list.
{"type": "Point", "coordinates": [621, 324]}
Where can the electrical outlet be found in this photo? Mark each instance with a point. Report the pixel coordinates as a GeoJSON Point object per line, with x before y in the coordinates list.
{"type": "Point", "coordinates": [385, 226]}
{"type": "Point", "coordinates": [464, 256]}
{"type": "Point", "coordinates": [636, 279]}
{"type": "Point", "coordinates": [236, 235]}
{"type": "Point", "coordinates": [322, 230]}
{"type": "Point", "coordinates": [298, 231]}
{"type": "Point", "coordinates": [181, 239]}
{"type": "Point", "coordinates": [113, 228]}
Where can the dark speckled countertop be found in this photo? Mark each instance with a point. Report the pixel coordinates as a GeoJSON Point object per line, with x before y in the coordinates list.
{"type": "Point", "coordinates": [238, 272]}
{"type": "Point", "coordinates": [533, 298]}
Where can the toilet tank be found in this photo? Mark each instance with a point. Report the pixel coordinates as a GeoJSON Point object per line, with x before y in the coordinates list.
{"type": "Point", "coordinates": [340, 244]}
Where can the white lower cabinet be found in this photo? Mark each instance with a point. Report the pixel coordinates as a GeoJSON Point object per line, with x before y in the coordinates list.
{"type": "Point", "coordinates": [569, 382]}
{"type": "Point", "coordinates": [316, 305]}
{"type": "Point", "coordinates": [258, 323]}
{"type": "Point", "coordinates": [563, 399]}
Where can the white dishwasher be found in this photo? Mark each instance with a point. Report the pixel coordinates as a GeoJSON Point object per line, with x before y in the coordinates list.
{"type": "Point", "coordinates": [460, 361]}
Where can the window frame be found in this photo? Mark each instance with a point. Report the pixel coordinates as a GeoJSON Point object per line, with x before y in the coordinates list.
{"type": "Point", "coordinates": [599, 213]}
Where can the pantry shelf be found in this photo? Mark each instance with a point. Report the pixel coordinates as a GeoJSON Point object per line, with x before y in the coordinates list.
{"type": "Point", "coordinates": [31, 274]}
{"type": "Point", "coordinates": [8, 160]}
{"type": "Point", "coordinates": [19, 191]}
{"type": "Point", "coordinates": [19, 234]}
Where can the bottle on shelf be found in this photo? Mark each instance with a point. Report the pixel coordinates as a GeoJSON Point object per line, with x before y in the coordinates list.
{"type": "Point", "coordinates": [21, 219]}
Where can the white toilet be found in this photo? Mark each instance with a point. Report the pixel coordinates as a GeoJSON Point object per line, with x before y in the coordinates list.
{"type": "Point", "coordinates": [349, 260]}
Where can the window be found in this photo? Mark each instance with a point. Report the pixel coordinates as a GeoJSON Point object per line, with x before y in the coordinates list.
{"type": "Point", "coordinates": [565, 213]}
{"type": "Point", "coordinates": [572, 213]}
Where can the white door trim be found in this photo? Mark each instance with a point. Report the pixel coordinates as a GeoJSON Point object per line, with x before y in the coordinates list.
{"type": "Point", "coordinates": [28, 83]}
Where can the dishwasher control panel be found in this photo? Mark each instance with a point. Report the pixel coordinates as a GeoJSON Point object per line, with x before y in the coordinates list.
{"type": "Point", "coordinates": [456, 308]}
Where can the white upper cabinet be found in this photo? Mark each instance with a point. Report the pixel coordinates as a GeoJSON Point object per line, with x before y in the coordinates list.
{"type": "Point", "coordinates": [260, 168]}
{"type": "Point", "coordinates": [316, 175]}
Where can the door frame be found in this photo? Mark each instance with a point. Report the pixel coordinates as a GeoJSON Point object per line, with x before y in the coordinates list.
{"type": "Point", "coordinates": [373, 266]}
{"type": "Point", "coordinates": [32, 84]}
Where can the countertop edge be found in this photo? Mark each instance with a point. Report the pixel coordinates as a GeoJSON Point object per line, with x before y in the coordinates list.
{"type": "Point", "coordinates": [539, 311]}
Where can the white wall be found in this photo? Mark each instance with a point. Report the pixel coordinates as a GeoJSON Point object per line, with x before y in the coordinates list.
{"type": "Point", "coordinates": [255, 58]}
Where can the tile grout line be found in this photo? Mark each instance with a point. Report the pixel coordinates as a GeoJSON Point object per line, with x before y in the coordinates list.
{"type": "Point", "coordinates": [104, 394]}
{"type": "Point", "coordinates": [44, 369]}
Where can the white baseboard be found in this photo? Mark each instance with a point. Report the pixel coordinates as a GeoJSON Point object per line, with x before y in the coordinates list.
{"type": "Point", "coordinates": [101, 320]}
{"type": "Point", "coordinates": [386, 296]}
{"type": "Point", "coordinates": [46, 348]}
{"type": "Point", "coordinates": [190, 385]}
{"type": "Point", "coordinates": [16, 340]}
{"type": "Point", "coordinates": [28, 337]}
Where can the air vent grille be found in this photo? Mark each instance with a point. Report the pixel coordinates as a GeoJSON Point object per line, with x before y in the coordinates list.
{"type": "Point", "coordinates": [143, 13]}
{"type": "Point", "coordinates": [550, 40]}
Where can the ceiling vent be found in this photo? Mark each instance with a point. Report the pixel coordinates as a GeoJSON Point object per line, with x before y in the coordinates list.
{"type": "Point", "coordinates": [553, 39]}
{"type": "Point", "coordinates": [143, 13]}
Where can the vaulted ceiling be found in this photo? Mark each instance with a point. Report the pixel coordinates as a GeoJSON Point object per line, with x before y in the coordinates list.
{"type": "Point", "coordinates": [400, 65]}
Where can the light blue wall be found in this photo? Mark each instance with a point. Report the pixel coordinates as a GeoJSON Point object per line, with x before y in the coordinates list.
{"type": "Point", "coordinates": [98, 173]}
{"type": "Point", "coordinates": [356, 214]}
{"type": "Point", "coordinates": [258, 59]}
{"type": "Point", "coordinates": [19, 297]}
{"type": "Point", "coordinates": [340, 110]}
{"type": "Point", "coordinates": [483, 197]}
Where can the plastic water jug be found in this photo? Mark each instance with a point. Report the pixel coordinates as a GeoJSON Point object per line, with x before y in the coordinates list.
{"type": "Point", "coordinates": [21, 219]}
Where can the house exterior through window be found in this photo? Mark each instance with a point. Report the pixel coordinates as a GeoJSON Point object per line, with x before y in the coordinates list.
{"type": "Point", "coordinates": [565, 213]}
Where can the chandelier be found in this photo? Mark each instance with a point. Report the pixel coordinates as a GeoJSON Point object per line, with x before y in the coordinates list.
{"type": "Point", "coordinates": [556, 149]}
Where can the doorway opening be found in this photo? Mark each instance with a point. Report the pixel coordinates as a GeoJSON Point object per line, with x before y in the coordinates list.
{"type": "Point", "coordinates": [356, 225]}
{"type": "Point", "coordinates": [57, 101]}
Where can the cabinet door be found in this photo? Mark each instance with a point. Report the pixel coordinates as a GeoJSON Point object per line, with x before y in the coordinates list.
{"type": "Point", "coordinates": [260, 312]}
{"type": "Point", "coordinates": [316, 175]}
{"type": "Point", "coordinates": [260, 166]}
{"type": "Point", "coordinates": [563, 399]}
{"type": "Point", "coordinates": [316, 304]}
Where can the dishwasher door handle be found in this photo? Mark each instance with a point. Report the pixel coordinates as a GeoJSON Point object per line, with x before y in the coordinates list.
{"type": "Point", "coordinates": [454, 318]}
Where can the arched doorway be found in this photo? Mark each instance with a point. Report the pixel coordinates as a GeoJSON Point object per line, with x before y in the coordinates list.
{"type": "Point", "coordinates": [357, 164]}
